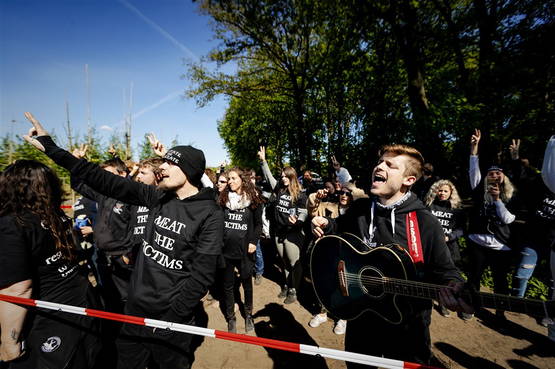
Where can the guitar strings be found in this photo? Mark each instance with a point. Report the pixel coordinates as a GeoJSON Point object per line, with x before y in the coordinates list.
{"type": "Point", "coordinates": [428, 287]}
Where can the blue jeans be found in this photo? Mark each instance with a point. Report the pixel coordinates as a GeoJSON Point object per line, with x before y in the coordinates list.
{"type": "Point", "coordinates": [528, 260]}
{"type": "Point", "coordinates": [259, 260]}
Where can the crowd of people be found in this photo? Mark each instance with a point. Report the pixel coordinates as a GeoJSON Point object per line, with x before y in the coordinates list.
{"type": "Point", "coordinates": [155, 238]}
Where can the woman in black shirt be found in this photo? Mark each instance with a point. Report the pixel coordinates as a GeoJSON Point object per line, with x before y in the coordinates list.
{"type": "Point", "coordinates": [38, 260]}
{"type": "Point", "coordinates": [241, 202]}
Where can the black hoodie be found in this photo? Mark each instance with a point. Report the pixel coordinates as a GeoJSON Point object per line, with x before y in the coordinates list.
{"type": "Point", "coordinates": [112, 220]}
{"type": "Point", "coordinates": [182, 243]}
{"type": "Point", "coordinates": [437, 267]}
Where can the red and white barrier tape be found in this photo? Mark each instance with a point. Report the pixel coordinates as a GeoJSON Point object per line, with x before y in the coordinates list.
{"type": "Point", "coordinates": [266, 342]}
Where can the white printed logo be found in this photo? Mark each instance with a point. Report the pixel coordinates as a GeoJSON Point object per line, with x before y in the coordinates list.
{"type": "Point", "coordinates": [51, 344]}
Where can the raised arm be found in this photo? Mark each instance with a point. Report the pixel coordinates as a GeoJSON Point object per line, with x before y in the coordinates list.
{"type": "Point", "coordinates": [265, 168]}
{"type": "Point", "coordinates": [474, 167]}
{"type": "Point", "coordinates": [98, 179]}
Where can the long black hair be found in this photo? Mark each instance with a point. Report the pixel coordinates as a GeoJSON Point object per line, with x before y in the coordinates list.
{"type": "Point", "coordinates": [28, 186]}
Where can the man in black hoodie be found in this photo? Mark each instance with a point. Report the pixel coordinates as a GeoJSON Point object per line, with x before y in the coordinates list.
{"type": "Point", "coordinates": [384, 219]}
{"type": "Point", "coordinates": [177, 263]}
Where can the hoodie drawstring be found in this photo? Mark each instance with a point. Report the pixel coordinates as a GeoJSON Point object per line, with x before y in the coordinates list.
{"type": "Point", "coordinates": [371, 228]}
{"type": "Point", "coordinates": [393, 220]}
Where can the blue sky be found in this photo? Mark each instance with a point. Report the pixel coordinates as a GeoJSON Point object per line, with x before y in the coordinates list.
{"type": "Point", "coordinates": [45, 45]}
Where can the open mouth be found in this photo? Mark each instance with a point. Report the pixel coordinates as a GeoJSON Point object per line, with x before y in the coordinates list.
{"type": "Point", "coordinates": [379, 178]}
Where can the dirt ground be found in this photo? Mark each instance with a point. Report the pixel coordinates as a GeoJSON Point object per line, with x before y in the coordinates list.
{"type": "Point", "coordinates": [521, 344]}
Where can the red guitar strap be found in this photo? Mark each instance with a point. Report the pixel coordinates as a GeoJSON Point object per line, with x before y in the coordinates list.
{"type": "Point", "coordinates": [413, 238]}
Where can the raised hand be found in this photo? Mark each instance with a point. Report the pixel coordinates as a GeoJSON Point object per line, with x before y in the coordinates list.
{"type": "Point", "coordinates": [158, 147]}
{"type": "Point", "coordinates": [514, 149]}
{"type": "Point", "coordinates": [112, 150]}
{"type": "Point", "coordinates": [134, 170]}
{"type": "Point", "coordinates": [36, 131]}
{"type": "Point", "coordinates": [320, 194]}
{"type": "Point", "coordinates": [334, 161]}
{"type": "Point", "coordinates": [474, 141]}
{"type": "Point", "coordinates": [81, 151]}
{"type": "Point", "coordinates": [262, 153]}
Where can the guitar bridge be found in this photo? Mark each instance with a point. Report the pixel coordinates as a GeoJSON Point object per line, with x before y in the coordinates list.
{"type": "Point", "coordinates": [342, 278]}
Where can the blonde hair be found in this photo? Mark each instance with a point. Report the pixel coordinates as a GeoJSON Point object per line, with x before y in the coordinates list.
{"type": "Point", "coordinates": [415, 160]}
{"type": "Point", "coordinates": [506, 190]}
{"type": "Point", "coordinates": [454, 199]}
{"type": "Point", "coordinates": [294, 186]}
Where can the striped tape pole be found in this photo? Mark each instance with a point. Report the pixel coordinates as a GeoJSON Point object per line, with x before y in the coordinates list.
{"type": "Point", "coordinates": [259, 341]}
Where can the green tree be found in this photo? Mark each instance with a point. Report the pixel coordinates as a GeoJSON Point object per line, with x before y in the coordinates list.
{"type": "Point", "coordinates": [145, 150]}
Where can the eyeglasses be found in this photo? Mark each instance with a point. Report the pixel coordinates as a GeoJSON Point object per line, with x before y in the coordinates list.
{"type": "Point", "coordinates": [222, 182]}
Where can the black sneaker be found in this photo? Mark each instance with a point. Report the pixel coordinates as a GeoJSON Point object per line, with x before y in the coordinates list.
{"type": "Point", "coordinates": [291, 296]}
{"type": "Point", "coordinates": [257, 279]}
{"type": "Point", "coordinates": [249, 324]}
{"type": "Point", "coordinates": [232, 325]}
{"type": "Point", "coordinates": [283, 292]}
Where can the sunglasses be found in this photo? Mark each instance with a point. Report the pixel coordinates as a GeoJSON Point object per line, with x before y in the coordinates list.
{"type": "Point", "coordinates": [222, 182]}
{"type": "Point", "coordinates": [348, 193]}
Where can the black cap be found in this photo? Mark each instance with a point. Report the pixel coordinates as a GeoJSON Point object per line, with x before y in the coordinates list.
{"type": "Point", "coordinates": [190, 160]}
{"type": "Point", "coordinates": [495, 167]}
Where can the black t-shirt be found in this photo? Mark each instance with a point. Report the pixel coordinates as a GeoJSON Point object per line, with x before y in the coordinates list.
{"type": "Point", "coordinates": [28, 251]}
{"type": "Point", "coordinates": [284, 207]}
{"type": "Point", "coordinates": [236, 226]}
{"type": "Point", "coordinates": [451, 220]}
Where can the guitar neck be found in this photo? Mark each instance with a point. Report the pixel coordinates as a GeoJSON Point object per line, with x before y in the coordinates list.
{"type": "Point", "coordinates": [476, 299]}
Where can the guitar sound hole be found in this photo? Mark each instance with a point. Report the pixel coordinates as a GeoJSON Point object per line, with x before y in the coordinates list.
{"type": "Point", "coordinates": [370, 282]}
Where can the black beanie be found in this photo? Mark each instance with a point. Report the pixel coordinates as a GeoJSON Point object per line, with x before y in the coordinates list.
{"type": "Point", "coordinates": [190, 160]}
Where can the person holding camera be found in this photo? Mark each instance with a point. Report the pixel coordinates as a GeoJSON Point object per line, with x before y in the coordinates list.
{"type": "Point", "coordinates": [489, 232]}
{"type": "Point", "coordinates": [289, 214]}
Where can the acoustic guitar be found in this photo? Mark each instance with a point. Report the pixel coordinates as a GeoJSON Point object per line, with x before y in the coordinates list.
{"type": "Point", "coordinates": [350, 279]}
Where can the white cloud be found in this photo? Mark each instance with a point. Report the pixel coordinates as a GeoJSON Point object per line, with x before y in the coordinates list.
{"type": "Point", "coordinates": [106, 128]}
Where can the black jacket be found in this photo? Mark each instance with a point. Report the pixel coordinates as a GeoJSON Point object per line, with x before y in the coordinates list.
{"type": "Point", "coordinates": [437, 267]}
{"type": "Point", "coordinates": [182, 243]}
{"type": "Point", "coordinates": [111, 222]}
